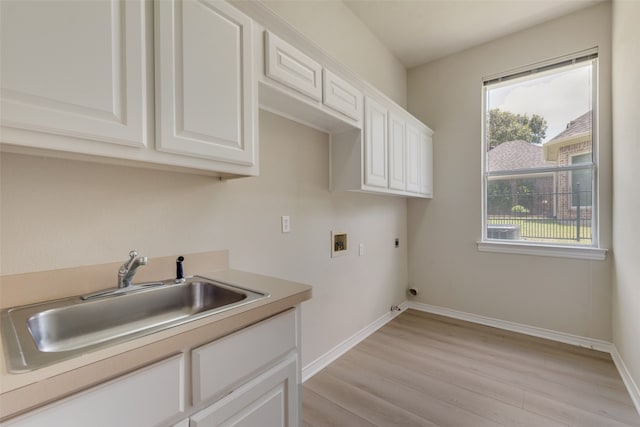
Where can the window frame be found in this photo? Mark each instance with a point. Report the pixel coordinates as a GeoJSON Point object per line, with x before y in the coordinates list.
{"type": "Point", "coordinates": [592, 251]}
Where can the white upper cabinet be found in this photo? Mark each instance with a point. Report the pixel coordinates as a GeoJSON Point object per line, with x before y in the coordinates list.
{"type": "Point", "coordinates": [77, 79]}
{"type": "Point", "coordinates": [73, 69]}
{"type": "Point", "coordinates": [397, 153]}
{"type": "Point", "coordinates": [426, 181]}
{"type": "Point", "coordinates": [205, 96]}
{"type": "Point", "coordinates": [298, 87]}
{"type": "Point", "coordinates": [341, 96]}
{"type": "Point", "coordinates": [415, 153]}
{"type": "Point", "coordinates": [375, 141]}
{"type": "Point", "coordinates": [392, 155]}
{"type": "Point", "coordinates": [294, 69]}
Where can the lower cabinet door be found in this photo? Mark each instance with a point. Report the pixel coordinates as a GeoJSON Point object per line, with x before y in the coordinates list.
{"type": "Point", "coordinates": [269, 400]}
{"type": "Point", "coordinates": [147, 397]}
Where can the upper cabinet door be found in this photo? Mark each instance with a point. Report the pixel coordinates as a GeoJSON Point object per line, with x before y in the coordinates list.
{"type": "Point", "coordinates": [375, 150]}
{"type": "Point", "coordinates": [341, 96]}
{"type": "Point", "coordinates": [414, 158]}
{"type": "Point", "coordinates": [74, 69]}
{"type": "Point", "coordinates": [397, 180]}
{"type": "Point", "coordinates": [206, 102]}
{"type": "Point", "coordinates": [287, 65]}
{"type": "Point", "coordinates": [426, 181]}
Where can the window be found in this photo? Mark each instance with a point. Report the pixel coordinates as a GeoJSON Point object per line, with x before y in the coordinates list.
{"type": "Point", "coordinates": [581, 182]}
{"type": "Point", "coordinates": [539, 156]}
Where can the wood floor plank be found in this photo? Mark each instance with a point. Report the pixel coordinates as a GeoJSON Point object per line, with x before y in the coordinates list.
{"type": "Point", "coordinates": [435, 410]}
{"type": "Point", "coordinates": [321, 412]}
{"type": "Point", "coordinates": [445, 371]}
{"type": "Point", "coordinates": [573, 391]}
{"type": "Point", "coordinates": [600, 372]}
{"type": "Point", "coordinates": [430, 388]}
{"type": "Point", "coordinates": [531, 350]}
{"type": "Point", "coordinates": [425, 369]}
{"type": "Point", "coordinates": [373, 409]}
{"type": "Point", "coordinates": [575, 416]}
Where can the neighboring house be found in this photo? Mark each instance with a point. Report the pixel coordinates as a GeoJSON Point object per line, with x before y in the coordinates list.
{"type": "Point", "coordinates": [572, 146]}
{"type": "Point", "coordinates": [551, 194]}
{"type": "Point", "coordinates": [534, 192]}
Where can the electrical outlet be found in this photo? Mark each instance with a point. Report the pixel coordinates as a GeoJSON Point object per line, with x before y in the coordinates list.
{"type": "Point", "coordinates": [286, 224]}
{"type": "Point", "coordinates": [361, 249]}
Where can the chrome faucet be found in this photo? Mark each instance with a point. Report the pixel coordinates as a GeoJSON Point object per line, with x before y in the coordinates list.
{"type": "Point", "coordinates": [128, 269]}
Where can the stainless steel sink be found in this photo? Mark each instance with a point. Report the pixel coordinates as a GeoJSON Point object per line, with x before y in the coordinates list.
{"type": "Point", "coordinates": [40, 334]}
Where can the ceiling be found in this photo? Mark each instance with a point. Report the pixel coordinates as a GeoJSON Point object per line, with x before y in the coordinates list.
{"type": "Point", "coordinates": [419, 31]}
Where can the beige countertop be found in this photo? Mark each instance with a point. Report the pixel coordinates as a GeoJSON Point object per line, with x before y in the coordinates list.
{"type": "Point", "coordinates": [24, 391]}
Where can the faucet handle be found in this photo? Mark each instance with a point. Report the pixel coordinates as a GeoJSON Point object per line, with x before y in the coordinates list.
{"type": "Point", "coordinates": [179, 270]}
{"type": "Point", "coordinates": [127, 264]}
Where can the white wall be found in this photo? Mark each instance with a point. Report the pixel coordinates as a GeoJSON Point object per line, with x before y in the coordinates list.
{"type": "Point", "coordinates": [337, 30]}
{"type": "Point", "coordinates": [626, 183]}
{"type": "Point", "coordinates": [571, 296]}
{"type": "Point", "coordinates": [62, 213]}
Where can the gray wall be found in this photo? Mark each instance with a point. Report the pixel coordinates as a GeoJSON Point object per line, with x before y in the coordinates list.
{"type": "Point", "coordinates": [63, 213]}
{"type": "Point", "coordinates": [565, 295]}
{"type": "Point", "coordinates": [626, 184]}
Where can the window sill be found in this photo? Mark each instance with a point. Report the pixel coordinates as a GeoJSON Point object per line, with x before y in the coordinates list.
{"type": "Point", "coordinates": [587, 253]}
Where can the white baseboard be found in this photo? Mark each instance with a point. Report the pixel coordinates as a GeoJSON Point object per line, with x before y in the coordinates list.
{"type": "Point", "coordinates": [321, 362]}
{"type": "Point", "coordinates": [534, 331]}
{"type": "Point", "coordinates": [632, 387]}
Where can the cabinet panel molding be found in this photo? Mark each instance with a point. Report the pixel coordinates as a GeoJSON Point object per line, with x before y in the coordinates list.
{"type": "Point", "coordinates": [397, 152]}
{"type": "Point", "coordinates": [287, 65]}
{"type": "Point", "coordinates": [375, 136]}
{"type": "Point", "coordinates": [91, 87]}
{"type": "Point", "coordinates": [414, 158]}
{"type": "Point", "coordinates": [218, 366]}
{"type": "Point", "coordinates": [205, 84]}
{"type": "Point", "coordinates": [341, 96]}
{"type": "Point", "coordinates": [149, 396]}
{"type": "Point", "coordinates": [272, 399]}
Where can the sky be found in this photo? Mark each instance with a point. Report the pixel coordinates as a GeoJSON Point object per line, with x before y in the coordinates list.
{"type": "Point", "coordinates": [559, 98]}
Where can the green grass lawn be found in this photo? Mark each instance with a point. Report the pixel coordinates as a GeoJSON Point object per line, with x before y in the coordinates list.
{"type": "Point", "coordinates": [547, 230]}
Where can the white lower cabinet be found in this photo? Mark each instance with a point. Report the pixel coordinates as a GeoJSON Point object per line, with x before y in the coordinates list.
{"type": "Point", "coordinates": [147, 397]}
{"type": "Point", "coordinates": [219, 366]}
{"type": "Point", "coordinates": [270, 400]}
{"type": "Point", "coordinates": [250, 378]}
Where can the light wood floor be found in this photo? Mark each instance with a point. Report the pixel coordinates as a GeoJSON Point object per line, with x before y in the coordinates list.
{"type": "Point", "coordinates": [426, 370]}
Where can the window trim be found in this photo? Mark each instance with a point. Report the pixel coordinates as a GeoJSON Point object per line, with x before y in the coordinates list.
{"type": "Point", "coordinates": [589, 252]}
{"type": "Point", "coordinates": [542, 249]}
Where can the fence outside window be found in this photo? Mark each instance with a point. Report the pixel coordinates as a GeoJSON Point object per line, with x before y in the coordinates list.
{"type": "Point", "coordinates": [536, 216]}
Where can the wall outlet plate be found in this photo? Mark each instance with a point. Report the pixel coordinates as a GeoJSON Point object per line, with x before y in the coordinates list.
{"type": "Point", "coordinates": [285, 223]}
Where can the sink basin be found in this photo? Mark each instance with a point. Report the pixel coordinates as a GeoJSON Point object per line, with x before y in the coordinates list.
{"type": "Point", "coordinates": [40, 334]}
